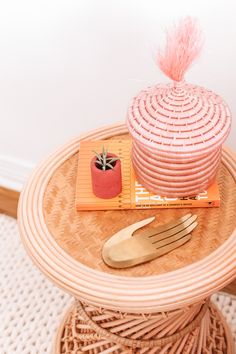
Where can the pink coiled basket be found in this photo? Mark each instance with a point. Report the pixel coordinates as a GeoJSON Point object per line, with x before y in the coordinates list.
{"type": "Point", "coordinates": [177, 129]}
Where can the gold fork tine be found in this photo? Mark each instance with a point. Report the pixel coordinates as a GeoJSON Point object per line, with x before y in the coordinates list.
{"type": "Point", "coordinates": [170, 225]}
{"type": "Point", "coordinates": [175, 237]}
{"type": "Point", "coordinates": [172, 231]}
{"type": "Point", "coordinates": [172, 246]}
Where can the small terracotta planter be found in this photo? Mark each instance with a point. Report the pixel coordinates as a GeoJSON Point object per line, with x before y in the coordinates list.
{"type": "Point", "coordinates": [106, 184]}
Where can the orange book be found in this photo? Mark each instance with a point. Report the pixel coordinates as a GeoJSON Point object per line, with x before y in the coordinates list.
{"type": "Point", "coordinates": [133, 195]}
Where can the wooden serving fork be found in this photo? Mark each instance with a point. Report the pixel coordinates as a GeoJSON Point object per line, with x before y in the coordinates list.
{"type": "Point", "coordinates": [123, 250]}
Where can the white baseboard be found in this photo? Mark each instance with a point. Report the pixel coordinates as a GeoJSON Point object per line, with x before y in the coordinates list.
{"type": "Point", "coordinates": [14, 172]}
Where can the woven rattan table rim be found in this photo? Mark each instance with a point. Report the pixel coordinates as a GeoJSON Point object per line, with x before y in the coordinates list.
{"type": "Point", "coordinates": [81, 281]}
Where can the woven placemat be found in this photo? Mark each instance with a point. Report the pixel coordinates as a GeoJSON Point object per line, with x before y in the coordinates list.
{"type": "Point", "coordinates": [87, 231]}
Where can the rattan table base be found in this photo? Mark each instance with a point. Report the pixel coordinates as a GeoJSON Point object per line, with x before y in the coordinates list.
{"type": "Point", "coordinates": [78, 333]}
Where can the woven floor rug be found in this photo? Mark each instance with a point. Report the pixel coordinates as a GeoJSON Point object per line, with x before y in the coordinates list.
{"type": "Point", "coordinates": [31, 307]}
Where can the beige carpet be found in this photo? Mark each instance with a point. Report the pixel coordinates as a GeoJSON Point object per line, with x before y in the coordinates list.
{"type": "Point", "coordinates": [31, 307]}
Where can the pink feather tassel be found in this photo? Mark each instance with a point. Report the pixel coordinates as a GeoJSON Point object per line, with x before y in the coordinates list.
{"type": "Point", "coordinates": [183, 45]}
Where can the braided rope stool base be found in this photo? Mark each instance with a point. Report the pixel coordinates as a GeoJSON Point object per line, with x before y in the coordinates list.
{"type": "Point", "coordinates": [196, 329]}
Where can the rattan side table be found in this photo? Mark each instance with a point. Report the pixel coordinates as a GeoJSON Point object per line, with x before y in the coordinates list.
{"type": "Point", "coordinates": [159, 307]}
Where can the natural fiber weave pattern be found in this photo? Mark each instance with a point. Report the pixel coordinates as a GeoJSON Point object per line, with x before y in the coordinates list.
{"type": "Point", "coordinates": [145, 331]}
{"type": "Point", "coordinates": [163, 177]}
{"type": "Point", "coordinates": [74, 231]}
{"type": "Point", "coordinates": [77, 336]}
{"type": "Point", "coordinates": [179, 118]}
{"type": "Point", "coordinates": [227, 305]}
{"type": "Point", "coordinates": [31, 307]}
{"type": "Point", "coordinates": [138, 294]}
{"type": "Point", "coordinates": [178, 124]}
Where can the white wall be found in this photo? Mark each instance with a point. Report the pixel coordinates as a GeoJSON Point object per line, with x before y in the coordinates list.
{"type": "Point", "coordinates": [67, 66]}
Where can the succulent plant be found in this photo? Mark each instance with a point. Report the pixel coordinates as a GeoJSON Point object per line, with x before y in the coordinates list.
{"type": "Point", "coordinates": [104, 161]}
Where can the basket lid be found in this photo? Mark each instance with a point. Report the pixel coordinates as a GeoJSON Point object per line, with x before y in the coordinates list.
{"type": "Point", "coordinates": [179, 117]}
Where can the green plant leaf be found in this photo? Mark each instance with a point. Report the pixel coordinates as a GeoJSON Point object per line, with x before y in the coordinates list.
{"type": "Point", "coordinates": [109, 165]}
{"type": "Point", "coordinates": [99, 162]}
{"type": "Point", "coordinates": [103, 159]}
{"type": "Point", "coordinates": [104, 154]}
{"type": "Point", "coordinates": [112, 159]}
{"type": "Point", "coordinates": [98, 155]}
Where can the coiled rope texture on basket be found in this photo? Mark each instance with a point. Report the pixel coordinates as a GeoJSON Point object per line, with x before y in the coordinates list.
{"type": "Point", "coordinates": [177, 127]}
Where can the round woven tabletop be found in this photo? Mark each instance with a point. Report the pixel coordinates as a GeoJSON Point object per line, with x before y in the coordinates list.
{"type": "Point", "coordinates": [66, 244]}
